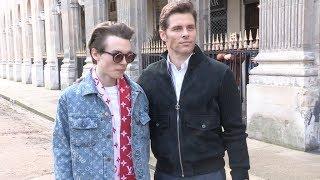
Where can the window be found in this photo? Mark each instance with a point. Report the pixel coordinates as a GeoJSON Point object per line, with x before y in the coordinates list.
{"type": "Point", "coordinates": [218, 16]}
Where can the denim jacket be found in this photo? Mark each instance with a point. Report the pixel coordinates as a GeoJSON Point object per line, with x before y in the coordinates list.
{"type": "Point", "coordinates": [82, 137]}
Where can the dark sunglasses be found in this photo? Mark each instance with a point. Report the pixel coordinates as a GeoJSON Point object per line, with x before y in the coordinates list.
{"type": "Point", "coordinates": [118, 56]}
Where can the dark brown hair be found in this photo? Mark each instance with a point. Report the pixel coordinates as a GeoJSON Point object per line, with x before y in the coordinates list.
{"type": "Point", "coordinates": [105, 29]}
{"type": "Point", "coordinates": [173, 8]}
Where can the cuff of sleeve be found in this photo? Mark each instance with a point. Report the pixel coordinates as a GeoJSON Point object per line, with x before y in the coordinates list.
{"type": "Point", "coordinates": [239, 174]}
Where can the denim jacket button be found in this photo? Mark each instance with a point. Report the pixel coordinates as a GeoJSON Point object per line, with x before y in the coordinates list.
{"type": "Point", "coordinates": [108, 136]}
{"type": "Point", "coordinates": [108, 159]}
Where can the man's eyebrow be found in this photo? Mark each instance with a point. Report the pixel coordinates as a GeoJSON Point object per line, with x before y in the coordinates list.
{"type": "Point", "coordinates": [176, 26]}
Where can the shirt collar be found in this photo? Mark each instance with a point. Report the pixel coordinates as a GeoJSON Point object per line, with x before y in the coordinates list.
{"type": "Point", "coordinates": [184, 65]}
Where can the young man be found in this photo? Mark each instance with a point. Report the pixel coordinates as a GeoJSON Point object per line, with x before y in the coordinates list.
{"type": "Point", "coordinates": [101, 129]}
{"type": "Point", "coordinates": [194, 105]}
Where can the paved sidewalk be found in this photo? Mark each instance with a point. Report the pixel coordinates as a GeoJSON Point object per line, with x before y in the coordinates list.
{"type": "Point", "coordinates": [267, 161]}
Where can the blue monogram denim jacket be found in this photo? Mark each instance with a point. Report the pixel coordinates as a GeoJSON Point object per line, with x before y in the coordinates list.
{"type": "Point", "coordinates": [82, 137]}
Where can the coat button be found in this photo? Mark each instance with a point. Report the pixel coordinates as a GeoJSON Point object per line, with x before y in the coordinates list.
{"type": "Point", "coordinates": [157, 124]}
{"type": "Point", "coordinates": [203, 126]}
{"type": "Point", "coordinates": [108, 136]}
{"type": "Point", "coordinates": [108, 159]}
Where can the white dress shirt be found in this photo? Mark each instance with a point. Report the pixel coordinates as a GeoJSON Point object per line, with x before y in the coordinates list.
{"type": "Point", "coordinates": [178, 74]}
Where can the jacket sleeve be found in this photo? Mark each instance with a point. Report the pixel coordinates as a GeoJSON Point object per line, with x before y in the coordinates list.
{"type": "Point", "coordinates": [141, 80]}
{"type": "Point", "coordinates": [61, 143]}
{"type": "Point", "coordinates": [234, 135]}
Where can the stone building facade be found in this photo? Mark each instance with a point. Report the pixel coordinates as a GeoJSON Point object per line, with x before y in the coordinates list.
{"type": "Point", "coordinates": [284, 90]}
{"type": "Point", "coordinates": [44, 44]}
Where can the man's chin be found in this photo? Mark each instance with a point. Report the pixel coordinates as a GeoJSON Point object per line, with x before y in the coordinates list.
{"type": "Point", "coordinates": [118, 76]}
{"type": "Point", "coordinates": [187, 51]}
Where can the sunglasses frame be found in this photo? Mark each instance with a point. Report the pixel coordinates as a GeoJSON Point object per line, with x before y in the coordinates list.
{"type": "Point", "coordinates": [115, 54]}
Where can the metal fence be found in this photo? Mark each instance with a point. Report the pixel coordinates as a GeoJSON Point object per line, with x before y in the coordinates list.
{"type": "Point", "coordinates": [240, 62]}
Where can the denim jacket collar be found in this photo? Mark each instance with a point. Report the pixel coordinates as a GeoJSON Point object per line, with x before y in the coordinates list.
{"type": "Point", "coordinates": [87, 85]}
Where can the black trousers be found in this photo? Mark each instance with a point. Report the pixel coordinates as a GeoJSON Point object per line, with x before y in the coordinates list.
{"type": "Point", "coordinates": [217, 175]}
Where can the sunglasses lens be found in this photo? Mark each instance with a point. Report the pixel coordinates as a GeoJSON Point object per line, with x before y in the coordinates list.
{"type": "Point", "coordinates": [118, 58]}
{"type": "Point", "coordinates": [130, 57]}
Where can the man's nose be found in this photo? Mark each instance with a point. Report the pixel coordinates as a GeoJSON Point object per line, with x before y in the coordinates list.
{"type": "Point", "coordinates": [185, 33]}
{"type": "Point", "coordinates": [124, 61]}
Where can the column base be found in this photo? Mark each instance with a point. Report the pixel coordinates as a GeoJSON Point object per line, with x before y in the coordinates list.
{"type": "Point", "coordinates": [26, 72]}
{"type": "Point", "coordinates": [67, 74]}
{"type": "Point", "coordinates": [17, 72]}
{"type": "Point", "coordinates": [51, 76]}
{"type": "Point", "coordinates": [9, 68]}
{"type": "Point", "coordinates": [1, 69]}
{"type": "Point", "coordinates": [4, 71]}
{"type": "Point", "coordinates": [87, 66]}
{"type": "Point", "coordinates": [284, 115]}
{"type": "Point", "coordinates": [133, 71]}
{"type": "Point", "coordinates": [37, 74]}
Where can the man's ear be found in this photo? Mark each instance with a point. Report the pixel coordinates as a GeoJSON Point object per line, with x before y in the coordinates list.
{"type": "Point", "coordinates": [95, 54]}
{"type": "Point", "coordinates": [163, 35]}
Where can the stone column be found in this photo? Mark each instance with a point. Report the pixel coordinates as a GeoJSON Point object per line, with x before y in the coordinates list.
{"type": "Point", "coordinates": [3, 45]}
{"type": "Point", "coordinates": [95, 13]}
{"type": "Point", "coordinates": [9, 40]}
{"type": "Point", "coordinates": [70, 15]}
{"type": "Point", "coordinates": [38, 44]}
{"type": "Point", "coordinates": [203, 10]}
{"type": "Point", "coordinates": [136, 13]}
{"type": "Point", "coordinates": [123, 13]}
{"type": "Point", "coordinates": [283, 91]}
{"type": "Point", "coordinates": [1, 52]}
{"type": "Point", "coordinates": [17, 42]}
{"type": "Point", "coordinates": [27, 43]}
{"type": "Point", "coordinates": [51, 72]}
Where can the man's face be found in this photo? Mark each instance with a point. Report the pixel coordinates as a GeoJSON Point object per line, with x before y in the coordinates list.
{"type": "Point", "coordinates": [105, 63]}
{"type": "Point", "coordinates": [180, 36]}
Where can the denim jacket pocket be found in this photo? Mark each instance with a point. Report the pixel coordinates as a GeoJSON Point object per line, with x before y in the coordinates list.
{"type": "Point", "coordinates": [141, 127]}
{"type": "Point", "coordinates": [83, 131]}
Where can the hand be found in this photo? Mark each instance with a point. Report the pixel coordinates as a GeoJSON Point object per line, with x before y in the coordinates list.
{"type": "Point", "coordinates": [220, 56]}
{"type": "Point", "coordinates": [228, 57]}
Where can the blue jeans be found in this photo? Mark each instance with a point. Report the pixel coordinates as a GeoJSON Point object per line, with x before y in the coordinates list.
{"type": "Point", "coordinates": [217, 175]}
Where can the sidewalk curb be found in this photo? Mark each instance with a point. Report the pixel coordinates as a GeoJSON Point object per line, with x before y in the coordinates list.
{"type": "Point", "coordinates": [17, 102]}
